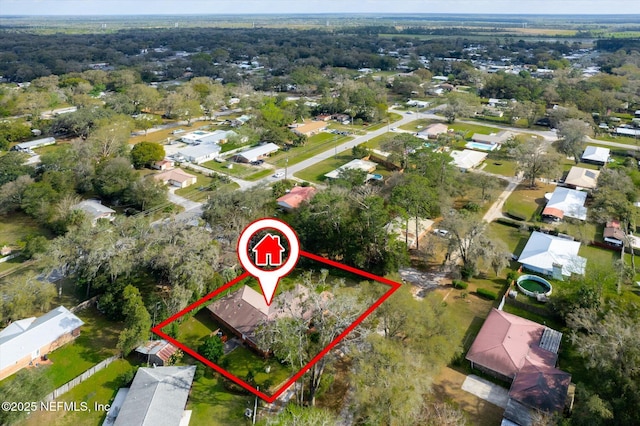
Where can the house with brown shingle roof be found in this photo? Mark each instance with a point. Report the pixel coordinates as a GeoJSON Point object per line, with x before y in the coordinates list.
{"type": "Point", "coordinates": [244, 310]}
{"type": "Point", "coordinates": [310, 128]}
{"type": "Point", "coordinates": [176, 177]}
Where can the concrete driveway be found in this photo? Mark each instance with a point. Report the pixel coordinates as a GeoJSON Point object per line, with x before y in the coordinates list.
{"type": "Point", "coordinates": [483, 389]}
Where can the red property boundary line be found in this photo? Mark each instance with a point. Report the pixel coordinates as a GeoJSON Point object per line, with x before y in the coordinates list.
{"type": "Point", "coordinates": [271, 398]}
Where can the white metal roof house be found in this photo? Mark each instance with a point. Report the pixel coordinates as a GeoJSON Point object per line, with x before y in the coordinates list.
{"type": "Point", "coordinates": [357, 164]}
{"type": "Point", "coordinates": [596, 155]}
{"type": "Point", "coordinates": [200, 153]}
{"type": "Point", "coordinates": [550, 255]}
{"type": "Point", "coordinates": [202, 137]}
{"type": "Point", "coordinates": [25, 340]}
{"type": "Point", "coordinates": [158, 396]}
{"type": "Point", "coordinates": [467, 159]}
{"type": "Point", "coordinates": [95, 210]}
{"type": "Point", "coordinates": [256, 153]}
{"type": "Point", "coordinates": [38, 143]}
{"type": "Point", "coordinates": [566, 202]}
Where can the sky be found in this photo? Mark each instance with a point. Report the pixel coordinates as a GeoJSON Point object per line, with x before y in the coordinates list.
{"type": "Point", "coordinates": [176, 7]}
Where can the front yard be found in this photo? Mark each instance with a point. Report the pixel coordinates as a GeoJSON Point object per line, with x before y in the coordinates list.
{"type": "Point", "coordinates": [204, 187]}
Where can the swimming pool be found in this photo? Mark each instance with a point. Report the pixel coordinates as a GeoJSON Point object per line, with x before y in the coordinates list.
{"type": "Point", "coordinates": [532, 285]}
{"type": "Point", "coordinates": [482, 146]}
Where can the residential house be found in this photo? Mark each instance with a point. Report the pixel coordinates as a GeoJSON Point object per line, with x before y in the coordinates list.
{"type": "Point", "coordinates": [551, 255]}
{"type": "Point", "coordinates": [494, 138]}
{"type": "Point", "coordinates": [524, 354]}
{"type": "Point", "coordinates": [23, 342]}
{"type": "Point", "coordinates": [176, 177]}
{"type": "Point", "coordinates": [38, 143]}
{"type": "Point", "coordinates": [310, 128]}
{"type": "Point", "coordinates": [364, 165]}
{"type": "Point", "coordinates": [256, 153]}
{"type": "Point", "coordinates": [158, 396]}
{"type": "Point", "coordinates": [612, 233]}
{"type": "Point", "coordinates": [198, 154]}
{"type": "Point", "coordinates": [95, 210]}
{"type": "Point", "coordinates": [417, 104]}
{"type": "Point", "coordinates": [162, 165]}
{"type": "Point", "coordinates": [323, 117]}
{"type": "Point", "coordinates": [467, 159]}
{"type": "Point", "coordinates": [581, 178]}
{"type": "Point", "coordinates": [405, 229]}
{"type": "Point", "coordinates": [342, 118]}
{"type": "Point", "coordinates": [596, 155]}
{"type": "Point", "coordinates": [566, 202]}
{"type": "Point", "coordinates": [201, 137]}
{"type": "Point", "coordinates": [432, 131]}
{"type": "Point", "coordinates": [156, 352]}
{"type": "Point", "coordinates": [244, 310]}
{"type": "Point", "coordinates": [296, 197]}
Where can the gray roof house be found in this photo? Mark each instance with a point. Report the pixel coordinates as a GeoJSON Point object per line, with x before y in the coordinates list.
{"type": "Point", "coordinates": [200, 153]}
{"type": "Point", "coordinates": [26, 340]}
{"type": "Point", "coordinates": [95, 210]}
{"type": "Point", "coordinates": [157, 396]}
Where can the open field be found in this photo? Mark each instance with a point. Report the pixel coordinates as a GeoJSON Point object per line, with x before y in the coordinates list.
{"type": "Point", "coordinates": [16, 226]}
{"type": "Point", "coordinates": [204, 187]}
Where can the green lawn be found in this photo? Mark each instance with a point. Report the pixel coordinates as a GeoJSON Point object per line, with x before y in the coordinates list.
{"type": "Point", "coordinates": [500, 166]}
{"type": "Point", "coordinates": [100, 388]}
{"type": "Point", "coordinates": [195, 329]}
{"type": "Point", "coordinates": [315, 145]}
{"type": "Point", "coordinates": [512, 237]}
{"type": "Point", "coordinates": [469, 129]}
{"type": "Point", "coordinates": [526, 202]}
{"type": "Point", "coordinates": [241, 360]}
{"type": "Point", "coordinates": [316, 172]}
{"type": "Point", "coordinates": [238, 170]}
{"type": "Point", "coordinates": [16, 226]}
{"type": "Point", "coordinates": [204, 186]}
{"type": "Point", "coordinates": [259, 175]}
{"type": "Point", "coordinates": [212, 404]}
{"type": "Point", "coordinates": [97, 341]}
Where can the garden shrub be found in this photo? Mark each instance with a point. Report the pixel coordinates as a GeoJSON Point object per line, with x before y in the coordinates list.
{"type": "Point", "coordinates": [460, 284]}
{"type": "Point", "coordinates": [486, 294]}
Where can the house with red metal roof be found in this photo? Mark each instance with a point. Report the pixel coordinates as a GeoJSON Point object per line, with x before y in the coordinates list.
{"type": "Point", "coordinates": [523, 353]}
{"type": "Point", "coordinates": [294, 198]}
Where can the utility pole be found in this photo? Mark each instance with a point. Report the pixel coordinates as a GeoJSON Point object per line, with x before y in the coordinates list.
{"type": "Point", "coordinates": [286, 166]}
{"type": "Point", "coordinates": [255, 407]}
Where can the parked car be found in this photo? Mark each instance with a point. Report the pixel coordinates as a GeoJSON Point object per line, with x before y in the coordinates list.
{"type": "Point", "coordinates": [441, 232]}
{"type": "Point", "coordinates": [279, 175]}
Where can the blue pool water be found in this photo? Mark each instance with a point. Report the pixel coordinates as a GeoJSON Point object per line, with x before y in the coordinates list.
{"type": "Point", "coordinates": [481, 146]}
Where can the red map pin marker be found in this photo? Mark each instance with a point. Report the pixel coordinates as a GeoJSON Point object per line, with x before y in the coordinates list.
{"type": "Point", "coordinates": [268, 252]}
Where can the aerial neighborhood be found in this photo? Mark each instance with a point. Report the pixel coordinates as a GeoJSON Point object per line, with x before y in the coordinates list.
{"type": "Point", "coordinates": [464, 189]}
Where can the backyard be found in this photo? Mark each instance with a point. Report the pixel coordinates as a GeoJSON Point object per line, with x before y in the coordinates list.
{"type": "Point", "coordinates": [241, 361]}
{"type": "Point", "coordinates": [97, 341]}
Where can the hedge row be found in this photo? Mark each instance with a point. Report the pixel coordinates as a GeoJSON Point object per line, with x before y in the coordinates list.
{"type": "Point", "coordinates": [460, 284]}
{"type": "Point", "coordinates": [487, 294]}
{"type": "Point", "coordinates": [515, 215]}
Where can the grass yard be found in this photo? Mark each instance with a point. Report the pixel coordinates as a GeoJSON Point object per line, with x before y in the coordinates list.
{"type": "Point", "coordinates": [100, 388]}
{"type": "Point", "coordinates": [468, 129]}
{"type": "Point", "coordinates": [204, 187]}
{"type": "Point", "coordinates": [16, 226]}
{"type": "Point", "coordinates": [161, 136]}
{"type": "Point", "coordinates": [195, 329]}
{"type": "Point", "coordinates": [512, 237]}
{"type": "Point", "coordinates": [241, 360]}
{"type": "Point", "coordinates": [525, 202]}
{"type": "Point", "coordinates": [97, 341]}
{"type": "Point", "coordinates": [212, 404]}
{"type": "Point", "coordinates": [500, 167]}
{"type": "Point", "coordinates": [315, 145]}
{"type": "Point", "coordinates": [316, 172]}
{"type": "Point", "coordinates": [418, 125]}
{"type": "Point", "coordinates": [239, 170]}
